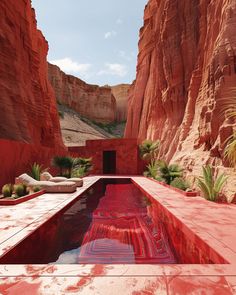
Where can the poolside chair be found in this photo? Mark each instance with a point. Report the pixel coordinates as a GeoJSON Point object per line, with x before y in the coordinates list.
{"type": "Point", "coordinates": [48, 186]}
{"type": "Point", "coordinates": [48, 177]}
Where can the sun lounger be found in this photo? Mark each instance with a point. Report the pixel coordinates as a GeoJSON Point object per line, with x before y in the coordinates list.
{"type": "Point", "coordinates": [48, 177]}
{"type": "Point", "coordinates": [48, 186]}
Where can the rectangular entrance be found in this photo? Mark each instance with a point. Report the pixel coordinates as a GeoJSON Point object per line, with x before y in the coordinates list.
{"type": "Point", "coordinates": [109, 162]}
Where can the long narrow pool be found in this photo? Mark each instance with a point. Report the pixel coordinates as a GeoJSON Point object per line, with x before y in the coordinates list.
{"type": "Point", "coordinates": [109, 224]}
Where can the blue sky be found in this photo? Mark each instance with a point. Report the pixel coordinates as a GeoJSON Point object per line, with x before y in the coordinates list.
{"type": "Point", "coordinates": [94, 40]}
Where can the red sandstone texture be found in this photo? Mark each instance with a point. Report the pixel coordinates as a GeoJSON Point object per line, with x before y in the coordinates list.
{"type": "Point", "coordinates": [186, 66]}
{"type": "Point", "coordinates": [100, 104]}
{"type": "Point", "coordinates": [90, 101]}
{"type": "Point", "coordinates": [28, 115]}
{"type": "Point", "coordinates": [120, 93]}
{"type": "Point", "coordinates": [28, 109]}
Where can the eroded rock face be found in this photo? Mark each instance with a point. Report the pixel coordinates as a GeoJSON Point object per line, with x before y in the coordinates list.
{"type": "Point", "coordinates": [186, 66]}
{"type": "Point", "coordinates": [28, 108]}
{"type": "Point", "coordinates": [91, 101]}
{"type": "Point", "coordinates": [29, 123]}
{"type": "Point", "coordinates": [120, 93]}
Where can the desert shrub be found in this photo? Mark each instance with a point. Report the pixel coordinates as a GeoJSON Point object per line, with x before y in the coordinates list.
{"type": "Point", "coordinates": [7, 190]}
{"type": "Point", "coordinates": [36, 170]}
{"type": "Point", "coordinates": [229, 111]}
{"type": "Point", "coordinates": [61, 114]}
{"type": "Point", "coordinates": [180, 183]}
{"type": "Point", "coordinates": [78, 172]}
{"type": "Point", "coordinates": [36, 189]}
{"type": "Point", "coordinates": [169, 172]}
{"type": "Point", "coordinates": [211, 184]}
{"type": "Point", "coordinates": [64, 164]}
{"type": "Point", "coordinates": [230, 150]}
{"type": "Point", "coordinates": [148, 149]}
{"type": "Point", "coordinates": [81, 166]}
{"type": "Point", "coordinates": [20, 190]}
{"type": "Point", "coordinates": [152, 170]}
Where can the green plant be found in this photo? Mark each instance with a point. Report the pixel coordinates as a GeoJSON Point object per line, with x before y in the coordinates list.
{"type": "Point", "coordinates": [230, 150]}
{"type": "Point", "coordinates": [229, 110]}
{"type": "Point", "coordinates": [211, 184]}
{"type": "Point", "coordinates": [152, 170]}
{"type": "Point", "coordinates": [180, 183]}
{"type": "Point", "coordinates": [169, 172]}
{"type": "Point", "coordinates": [79, 172]}
{"type": "Point", "coordinates": [83, 165]}
{"type": "Point", "coordinates": [7, 190]}
{"type": "Point", "coordinates": [36, 170]}
{"type": "Point", "coordinates": [148, 149]}
{"type": "Point", "coordinates": [64, 163]}
{"type": "Point", "coordinates": [61, 114]}
{"type": "Point", "coordinates": [20, 190]}
{"type": "Point", "coordinates": [36, 189]}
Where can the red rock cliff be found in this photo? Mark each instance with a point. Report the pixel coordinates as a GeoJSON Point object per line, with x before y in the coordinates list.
{"type": "Point", "coordinates": [28, 114]}
{"type": "Point", "coordinates": [186, 66]}
{"type": "Point", "coordinates": [91, 101]}
{"type": "Point", "coordinates": [28, 109]}
{"type": "Point", "coordinates": [120, 93]}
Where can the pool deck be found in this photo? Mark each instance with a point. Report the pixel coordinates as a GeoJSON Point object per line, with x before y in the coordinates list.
{"type": "Point", "coordinates": [202, 221]}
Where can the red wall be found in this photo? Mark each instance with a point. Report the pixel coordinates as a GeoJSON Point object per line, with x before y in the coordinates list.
{"type": "Point", "coordinates": [126, 154]}
{"type": "Point", "coordinates": [17, 157]}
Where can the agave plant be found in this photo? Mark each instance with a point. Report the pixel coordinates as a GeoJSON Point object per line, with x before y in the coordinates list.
{"type": "Point", "coordinates": [36, 170]}
{"type": "Point", "coordinates": [169, 172]}
{"type": "Point", "coordinates": [148, 149]}
{"type": "Point", "coordinates": [211, 184]}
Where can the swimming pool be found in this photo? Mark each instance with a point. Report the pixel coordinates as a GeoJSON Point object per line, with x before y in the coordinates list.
{"type": "Point", "coordinates": [111, 223]}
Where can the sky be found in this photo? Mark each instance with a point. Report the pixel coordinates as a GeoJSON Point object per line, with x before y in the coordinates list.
{"type": "Point", "coordinates": [95, 40]}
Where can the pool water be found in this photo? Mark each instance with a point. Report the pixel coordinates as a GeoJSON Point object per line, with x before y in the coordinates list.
{"type": "Point", "coordinates": [109, 224]}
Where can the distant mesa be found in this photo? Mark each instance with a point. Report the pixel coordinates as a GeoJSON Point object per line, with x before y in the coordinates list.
{"type": "Point", "coordinates": [102, 104]}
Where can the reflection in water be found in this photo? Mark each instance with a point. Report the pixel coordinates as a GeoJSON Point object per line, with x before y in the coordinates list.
{"type": "Point", "coordinates": [110, 223]}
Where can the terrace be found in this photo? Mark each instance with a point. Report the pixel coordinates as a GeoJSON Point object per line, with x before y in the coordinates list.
{"type": "Point", "coordinates": [205, 229]}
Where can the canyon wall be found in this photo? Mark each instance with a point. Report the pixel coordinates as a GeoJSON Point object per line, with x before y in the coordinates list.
{"type": "Point", "coordinates": [120, 93]}
{"type": "Point", "coordinates": [91, 101]}
{"type": "Point", "coordinates": [186, 68]}
{"type": "Point", "coordinates": [29, 122]}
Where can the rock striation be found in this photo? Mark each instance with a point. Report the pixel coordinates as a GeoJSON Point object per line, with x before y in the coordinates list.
{"type": "Point", "coordinates": [121, 93]}
{"type": "Point", "coordinates": [28, 108]}
{"type": "Point", "coordinates": [29, 122]}
{"type": "Point", "coordinates": [186, 68]}
{"type": "Point", "coordinates": [91, 101]}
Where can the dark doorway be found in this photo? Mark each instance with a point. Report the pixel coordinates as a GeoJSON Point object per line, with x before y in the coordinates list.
{"type": "Point", "coordinates": [109, 162]}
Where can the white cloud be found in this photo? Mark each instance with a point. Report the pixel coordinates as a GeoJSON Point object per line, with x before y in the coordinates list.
{"type": "Point", "coordinates": [110, 34]}
{"type": "Point", "coordinates": [69, 66]}
{"type": "Point", "coordinates": [114, 69]}
{"type": "Point", "coordinates": [119, 21]}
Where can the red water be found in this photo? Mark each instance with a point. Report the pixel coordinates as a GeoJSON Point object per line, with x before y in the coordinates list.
{"type": "Point", "coordinates": [109, 223]}
{"type": "Point", "coordinates": [122, 231]}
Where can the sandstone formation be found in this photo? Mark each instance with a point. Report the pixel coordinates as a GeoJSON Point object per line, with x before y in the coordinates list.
{"type": "Point", "coordinates": [91, 101]}
{"type": "Point", "coordinates": [29, 123]}
{"type": "Point", "coordinates": [186, 67]}
{"type": "Point", "coordinates": [120, 93]}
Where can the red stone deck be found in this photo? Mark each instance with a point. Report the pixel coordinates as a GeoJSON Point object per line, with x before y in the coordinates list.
{"type": "Point", "coordinates": [209, 225]}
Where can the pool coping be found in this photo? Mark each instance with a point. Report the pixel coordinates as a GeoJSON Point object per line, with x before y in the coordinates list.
{"type": "Point", "coordinates": [121, 270]}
